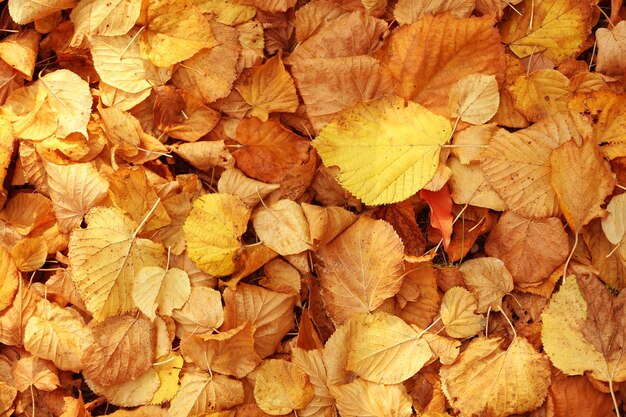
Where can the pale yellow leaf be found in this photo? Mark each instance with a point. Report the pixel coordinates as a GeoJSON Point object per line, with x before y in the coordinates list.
{"type": "Point", "coordinates": [283, 227]}
{"type": "Point", "coordinates": [103, 17]}
{"type": "Point", "coordinates": [363, 398]}
{"type": "Point", "coordinates": [157, 289]}
{"type": "Point", "coordinates": [131, 393]}
{"type": "Point", "coordinates": [201, 393]}
{"type": "Point", "coordinates": [458, 313]}
{"type": "Point", "coordinates": [474, 98]}
{"type": "Point", "coordinates": [27, 11]}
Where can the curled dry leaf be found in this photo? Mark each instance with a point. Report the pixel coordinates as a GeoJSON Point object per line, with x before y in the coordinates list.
{"type": "Point", "coordinates": [458, 313]}
{"type": "Point", "coordinates": [281, 387]}
{"type": "Point", "coordinates": [360, 268]}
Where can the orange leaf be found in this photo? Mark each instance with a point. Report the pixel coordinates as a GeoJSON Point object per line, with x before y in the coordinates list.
{"type": "Point", "coordinates": [441, 218]}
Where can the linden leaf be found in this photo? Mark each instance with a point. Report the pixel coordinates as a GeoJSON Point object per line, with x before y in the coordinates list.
{"type": "Point", "coordinates": [474, 98]}
{"type": "Point", "coordinates": [489, 279]}
{"type": "Point", "coordinates": [360, 268]}
{"type": "Point", "coordinates": [174, 31]}
{"type": "Point", "coordinates": [312, 363]}
{"type": "Point", "coordinates": [233, 181]}
{"type": "Point", "coordinates": [281, 387]}
{"type": "Point", "coordinates": [384, 349]}
{"type": "Point", "coordinates": [407, 11]}
{"type": "Point", "coordinates": [540, 94]}
{"type": "Point", "coordinates": [268, 89]}
{"type": "Point", "coordinates": [614, 224]}
{"type": "Point", "coordinates": [458, 308]}
{"type": "Point", "coordinates": [212, 231]}
{"type": "Point", "coordinates": [103, 17]}
{"type": "Point", "coordinates": [556, 28]}
{"type": "Point", "coordinates": [162, 290]}
{"type": "Point", "coordinates": [363, 398]}
{"type": "Point", "coordinates": [531, 249]}
{"type": "Point", "coordinates": [123, 349]}
{"type": "Point", "coordinates": [131, 393]}
{"type": "Point", "coordinates": [19, 50]}
{"type": "Point", "coordinates": [106, 257]}
{"type": "Point", "coordinates": [469, 185]}
{"type": "Point", "coordinates": [426, 75]}
{"type": "Point", "coordinates": [398, 144]}
{"type": "Point", "coordinates": [201, 314]}
{"type": "Point", "coordinates": [500, 382]}
{"type": "Point", "coordinates": [611, 49]}
{"type": "Point", "coordinates": [168, 368]}
{"type": "Point", "coordinates": [201, 393]}
{"type": "Point", "coordinates": [283, 227]}
{"type": "Point", "coordinates": [31, 371]}
{"type": "Point", "coordinates": [582, 179]}
{"type": "Point", "coordinates": [27, 11]}
{"type": "Point", "coordinates": [9, 279]}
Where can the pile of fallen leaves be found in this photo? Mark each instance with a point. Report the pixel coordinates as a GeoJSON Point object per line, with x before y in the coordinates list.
{"type": "Point", "coordinates": [356, 208]}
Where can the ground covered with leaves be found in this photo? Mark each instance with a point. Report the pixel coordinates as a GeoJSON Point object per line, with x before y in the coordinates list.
{"type": "Point", "coordinates": [356, 208]}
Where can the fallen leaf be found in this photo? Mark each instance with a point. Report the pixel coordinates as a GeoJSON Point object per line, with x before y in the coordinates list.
{"type": "Point", "coordinates": [281, 387]}
{"type": "Point", "coordinates": [458, 313]}
{"type": "Point", "coordinates": [489, 279]}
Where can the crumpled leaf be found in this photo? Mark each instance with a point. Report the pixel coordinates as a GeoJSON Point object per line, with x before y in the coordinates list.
{"type": "Point", "coordinates": [212, 231]}
{"type": "Point", "coordinates": [360, 268]}
{"type": "Point", "coordinates": [515, 381]}
{"type": "Point", "coordinates": [398, 143]}
{"type": "Point", "coordinates": [281, 387]}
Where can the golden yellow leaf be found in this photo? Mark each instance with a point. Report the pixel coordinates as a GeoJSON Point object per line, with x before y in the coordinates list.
{"type": "Point", "coordinates": [469, 185]}
{"type": "Point", "coordinates": [426, 75]}
{"type": "Point", "coordinates": [444, 348]}
{"type": "Point", "coordinates": [9, 278]}
{"type": "Point", "coordinates": [225, 11]}
{"type": "Point", "coordinates": [281, 387]}
{"type": "Point", "coordinates": [31, 371]}
{"type": "Point", "coordinates": [556, 28]}
{"type": "Point", "coordinates": [518, 164]}
{"type": "Point", "coordinates": [131, 393]}
{"type": "Point", "coordinates": [501, 382]}
{"type": "Point", "coordinates": [335, 356]}
{"type": "Point", "coordinates": [7, 396]}
{"type": "Point", "coordinates": [103, 17]}
{"type": "Point", "coordinates": [540, 94]}
{"type": "Point", "coordinates": [59, 101]}
{"type": "Point", "coordinates": [198, 119]}
{"type": "Point", "coordinates": [162, 290]}
{"type": "Point", "coordinates": [7, 145]}
{"type": "Point", "coordinates": [407, 11]}
{"type": "Point", "coordinates": [283, 227]}
{"type": "Point", "coordinates": [123, 349]}
{"type": "Point", "coordinates": [270, 5]}
{"type": "Point", "coordinates": [168, 368]}
{"type": "Point", "coordinates": [19, 50]}
{"type": "Point", "coordinates": [268, 311]}
{"type": "Point", "coordinates": [27, 11]}
{"type": "Point", "coordinates": [105, 258]}
{"type": "Point", "coordinates": [201, 393]}
{"type": "Point", "coordinates": [201, 314]}
{"type": "Point", "coordinates": [58, 335]}
{"type": "Point", "coordinates": [582, 179]}
{"type": "Point", "coordinates": [268, 88]}
{"type": "Point", "coordinates": [474, 98]}
{"type": "Point", "coordinates": [233, 181]}
{"type": "Point", "coordinates": [363, 398]}
{"type": "Point", "coordinates": [30, 253]}
{"type": "Point", "coordinates": [398, 143]}
{"type": "Point", "coordinates": [212, 231]}
{"type": "Point", "coordinates": [174, 31]}
{"type": "Point", "coordinates": [74, 189]}
{"type": "Point", "coordinates": [313, 16]}
{"type": "Point", "coordinates": [280, 276]}
{"type": "Point", "coordinates": [14, 318]}
{"type": "Point", "coordinates": [458, 313]}
{"type": "Point", "coordinates": [311, 363]}
{"type": "Point", "coordinates": [230, 352]}
{"type": "Point", "coordinates": [119, 63]}
{"type": "Point", "coordinates": [489, 279]}
{"type": "Point", "coordinates": [384, 349]}
{"type": "Point", "coordinates": [360, 268]}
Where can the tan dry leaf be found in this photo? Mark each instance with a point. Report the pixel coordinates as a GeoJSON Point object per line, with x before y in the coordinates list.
{"type": "Point", "coordinates": [160, 290]}
{"type": "Point", "coordinates": [281, 387]}
{"type": "Point", "coordinates": [123, 349]}
{"type": "Point", "coordinates": [252, 192]}
{"type": "Point", "coordinates": [103, 17]}
{"type": "Point", "coordinates": [474, 98]}
{"type": "Point", "coordinates": [74, 189]}
{"type": "Point", "coordinates": [611, 49]}
{"type": "Point", "coordinates": [105, 258]}
{"type": "Point", "coordinates": [13, 319]}
{"type": "Point", "coordinates": [582, 179]}
{"type": "Point", "coordinates": [540, 94]}
{"type": "Point", "coordinates": [313, 16]}
{"type": "Point", "coordinates": [518, 164]}
{"type": "Point", "coordinates": [444, 348]}
{"type": "Point", "coordinates": [226, 12]}
{"type": "Point", "coordinates": [210, 73]}
{"type": "Point", "coordinates": [614, 224]}
{"type": "Point", "coordinates": [9, 279]}
{"type": "Point", "coordinates": [205, 155]}
{"type": "Point", "coordinates": [132, 393]}
{"type": "Point", "coordinates": [213, 230]}
{"type": "Point", "coordinates": [198, 119]}
{"type": "Point", "coordinates": [270, 5]}
{"type": "Point", "coordinates": [57, 334]}
{"type": "Point", "coordinates": [201, 393]}
{"type": "Point", "coordinates": [7, 147]}
{"type": "Point", "coordinates": [230, 352]}
{"type": "Point", "coordinates": [202, 313]}
{"type": "Point", "coordinates": [418, 298]}
{"type": "Point", "coordinates": [325, 223]}
{"type": "Point", "coordinates": [329, 85]}
{"type": "Point", "coordinates": [270, 312]}
{"type": "Point", "coordinates": [363, 398]}
{"type": "Point", "coordinates": [360, 268]}
{"type": "Point", "coordinates": [489, 279]}
{"type": "Point", "coordinates": [515, 381]}
{"type": "Point", "coordinates": [251, 40]}
{"type": "Point", "coordinates": [474, 47]}
{"type": "Point", "coordinates": [27, 11]}
{"type": "Point", "coordinates": [268, 88]}
{"type": "Point", "coordinates": [311, 362]}
{"type": "Point", "coordinates": [281, 277]}
{"type": "Point", "coordinates": [384, 349]}
{"type": "Point", "coordinates": [458, 313]}
{"type": "Point", "coordinates": [20, 50]}
{"type": "Point", "coordinates": [174, 31]}
{"type": "Point", "coordinates": [26, 212]}
{"type": "Point", "coordinates": [469, 185]}
{"type": "Point", "coordinates": [31, 371]}
{"type": "Point", "coordinates": [119, 63]}
{"type": "Point", "coordinates": [283, 227]}
{"type": "Point", "coordinates": [407, 11]}
{"type": "Point", "coordinates": [530, 248]}
{"type": "Point", "coordinates": [610, 263]}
